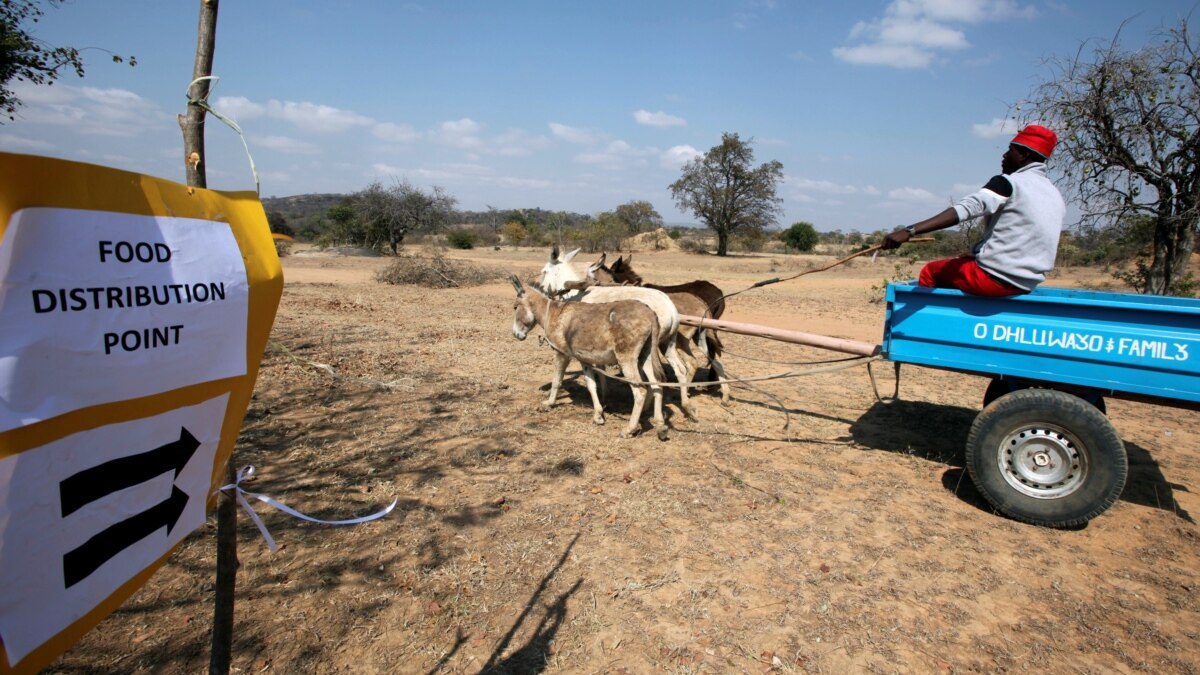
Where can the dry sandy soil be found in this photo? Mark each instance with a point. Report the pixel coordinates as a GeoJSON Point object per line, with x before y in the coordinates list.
{"type": "Point", "coordinates": [807, 528]}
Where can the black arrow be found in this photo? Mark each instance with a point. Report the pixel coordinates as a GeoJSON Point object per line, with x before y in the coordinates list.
{"type": "Point", "coordinates": [91, 484]}
{"type": "Point", "coordinates": [94, 552]}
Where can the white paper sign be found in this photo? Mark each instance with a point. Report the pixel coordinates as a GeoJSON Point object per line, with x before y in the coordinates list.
{"type": "Point", "coordinates": [97, 307]}
{"type": "Point", "coordinates": [84, 514]}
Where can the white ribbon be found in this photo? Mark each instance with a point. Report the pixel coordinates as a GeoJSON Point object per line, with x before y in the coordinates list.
{"type": "Point", "coordinates": [247, 471]}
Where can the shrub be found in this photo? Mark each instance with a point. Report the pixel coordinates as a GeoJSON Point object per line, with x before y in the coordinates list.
{"type": "Point", "coordinates": [462, 239]}
{"type": "Point", "coordinates": [800, 236]}
{"type": "Point", "coordinates": [435, 271]}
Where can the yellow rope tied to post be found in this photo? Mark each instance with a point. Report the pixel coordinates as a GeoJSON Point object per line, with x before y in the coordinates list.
{"type": "Point", "coordinates": [203, 104]}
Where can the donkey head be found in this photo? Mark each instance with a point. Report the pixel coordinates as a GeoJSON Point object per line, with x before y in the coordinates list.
{"type": "Point", "coordinates": [598, 273]}
{"type": "Point", "coordinates": [558, 271]}
{"type": "Point", "coordinates": [523, 315]}
{"type": "Point", "coordinates": [623, 273]}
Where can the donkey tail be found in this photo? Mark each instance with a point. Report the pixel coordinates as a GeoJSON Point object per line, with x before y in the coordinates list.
{"type": "Point", "coordinates": [655, 353]}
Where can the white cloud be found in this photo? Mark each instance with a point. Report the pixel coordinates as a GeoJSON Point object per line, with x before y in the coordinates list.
{"type": "Point", "coordinates": [381, 169]}
{"type": "Point", "coordinates": [315, 117]}
{"type": "Point", "coordinates": [396, 133]}
{"type": "Point", "coordinates": [615, 155]}
{"type": "Point", "coordinates": [658, 119]}
{"type": "Point", "coordinates": [909, 194]}
{"type": "Point", "coordinates": [913, 33]}
{"type": "Point", "coordinates": [286, 144]}
{"type": "Point", "coordinates": [573, 134]}
{"type": "Point", "coordinates": [517, 143]}
{"type": "Point", "coordinates": [463, 133]}
{"type": "Point", "coordinates": [675, 157]}
{"type": "Point", "coordinates": [897, 56]}
{"type": "Point", "coordinates": [823, 186]}
{"type": "Point", "coordinates": [995, 128]}
{"type": "Point", "coordinates": [239, 108]}
{"type": "Point", "coordinates": [12, 142]}
{"type": "Point", "coordinates": [87, 110]}
{"type": "Point", "coordinates": [311, 117]}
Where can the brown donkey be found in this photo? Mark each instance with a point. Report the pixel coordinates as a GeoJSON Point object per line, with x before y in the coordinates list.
{"type": "Point", "coordinates": [623, 333]}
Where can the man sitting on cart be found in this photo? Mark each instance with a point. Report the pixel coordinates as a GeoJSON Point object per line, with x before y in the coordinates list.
{"type": "Point", "coordinates": [1025, 214]}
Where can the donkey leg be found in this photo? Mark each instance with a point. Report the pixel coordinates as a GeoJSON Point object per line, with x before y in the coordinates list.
{"type": "Point", "coordinates": [656, 391]}
{"type": "Point", "coordinates": [719, 369]}
{"type": "Point", "coordinates": [682, 373]}
{"type": "Point", "coordinates": [629, 370]}
{"type": "Point", "coordinates": [560, 367]}
{"type": "Point", "coordinates": [692, 363]}
{"type": "Point", "coordinates": [589, 377]}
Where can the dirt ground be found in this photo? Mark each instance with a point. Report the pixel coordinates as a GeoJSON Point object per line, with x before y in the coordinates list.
{"type": "Point", "coordinates": [808, 528]}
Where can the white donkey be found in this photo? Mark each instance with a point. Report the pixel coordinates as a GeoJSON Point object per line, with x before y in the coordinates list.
{"type": "Point", "coordinates": [560, 277]}
{"type": "Point", "coordinates": [621, 333]}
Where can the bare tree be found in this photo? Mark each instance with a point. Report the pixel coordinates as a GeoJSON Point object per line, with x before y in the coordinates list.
{"type": "Point", "coordinates": [1129, 143]}
{"type": "Point", "coordinates": [726, 193]}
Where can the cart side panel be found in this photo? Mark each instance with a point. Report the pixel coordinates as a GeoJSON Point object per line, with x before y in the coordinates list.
{"type": "Point", "coordinates": [1119, 342]}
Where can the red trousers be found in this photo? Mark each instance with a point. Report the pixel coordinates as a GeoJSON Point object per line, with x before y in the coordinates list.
{"type": "Point", "coordinates": [965, 275]}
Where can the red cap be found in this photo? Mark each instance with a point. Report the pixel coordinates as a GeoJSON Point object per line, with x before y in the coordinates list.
{"type": "Point", "coordinates": [1037, 138]}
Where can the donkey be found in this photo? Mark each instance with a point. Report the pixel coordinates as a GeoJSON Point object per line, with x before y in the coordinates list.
{"type": "Point", "coordinates": [560, 277]}
{"type": "Point", "coordinates": [714, 299]}
{"type": "Point", "coordinates": [687, 301]}
{"type": "Point", "coordinates": [623, 333]}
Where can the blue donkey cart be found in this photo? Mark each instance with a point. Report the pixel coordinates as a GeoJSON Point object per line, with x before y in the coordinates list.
{"type": "Point", "coordinates": [1042, 450]}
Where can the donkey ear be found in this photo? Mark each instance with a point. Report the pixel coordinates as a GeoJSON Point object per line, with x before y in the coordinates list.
{"type": "Point", "coordinates": [571, 256]}
{"type": "Point", "coordinates": [554, 253]}
{"type": "Point", "coordinates": [600, 262]}
{"type": "Point", "coordinates": [517, 285]}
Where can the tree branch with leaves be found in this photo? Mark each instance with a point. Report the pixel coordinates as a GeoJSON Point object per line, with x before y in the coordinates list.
{"type": "Point", "coordinates": [1129, 144]}
{"type": "Point", "coordinates": [26, 58]}
{"type": "Point", "coordinates": [724, 190]}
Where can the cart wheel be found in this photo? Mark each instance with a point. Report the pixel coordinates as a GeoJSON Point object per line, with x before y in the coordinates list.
{"type": "Point", "coordinates": [998, 387]}
{"type": "Point", "coordinates": [1046, 457]}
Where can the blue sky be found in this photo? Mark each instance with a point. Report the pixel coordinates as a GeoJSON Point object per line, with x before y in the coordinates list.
{"type": "Point", "coordinates": [880, 112]}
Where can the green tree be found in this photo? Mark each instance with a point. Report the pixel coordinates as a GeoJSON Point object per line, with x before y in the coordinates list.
{"type": "Point", "coordinates": [1129, 143]}
{"type": "Point", "coordinates": [514, 232]}
{"type": "Point", "coordinates": [801, 236]}
{"type": "Point", "coordinates": [639, 216]}
{"type": "Point", "coordinates": [602, 233]}
{"type": "Point", "coordinates": [344, 226]}
{"type": "Point", "coordinates": [389, 214]}
{"type": "Point", "coordinates": [277, 222]}
{"type": "Point", "coordinates": [29, 59]}
{"type": "Point", "coordinates": [724, 190]}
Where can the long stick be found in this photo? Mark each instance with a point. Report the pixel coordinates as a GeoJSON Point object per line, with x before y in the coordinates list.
{"type": "Point", "coordinates": [192, 125]}
{"type": "Point", "coordinates": [793, 336]}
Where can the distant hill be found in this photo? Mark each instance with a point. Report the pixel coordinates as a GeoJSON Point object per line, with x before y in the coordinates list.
{"type": "Point", "coordinates": [303, 213]}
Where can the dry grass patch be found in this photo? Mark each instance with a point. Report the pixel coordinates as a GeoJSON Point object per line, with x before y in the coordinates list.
{"type": "Point", "coordinates": [436, 271]}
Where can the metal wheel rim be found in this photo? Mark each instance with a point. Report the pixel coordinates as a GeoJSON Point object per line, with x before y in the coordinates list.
{"type": "Point", "coordinates": [1043, 461]}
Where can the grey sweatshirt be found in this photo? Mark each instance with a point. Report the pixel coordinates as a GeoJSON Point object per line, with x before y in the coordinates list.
{"type": "Point", "coordinates": [1025, 214]}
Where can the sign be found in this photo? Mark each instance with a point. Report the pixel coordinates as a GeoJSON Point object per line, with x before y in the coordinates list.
{"type": "Point", "coordinates": [100, 295]}
{"type": "Point", "coordinates": [133, 315]}
{"type": "Point", "coordinates": [93, 506]}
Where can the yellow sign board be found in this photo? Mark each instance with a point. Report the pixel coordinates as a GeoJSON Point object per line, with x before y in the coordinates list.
{"type": "Point", "coordinates": [133, 315]}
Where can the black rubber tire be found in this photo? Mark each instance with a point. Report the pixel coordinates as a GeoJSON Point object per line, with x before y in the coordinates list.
{"type": "Point", "coordinates": [998, 387]}
{"type": "Point", "coordinates": [1046, 457]}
